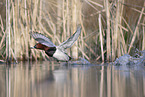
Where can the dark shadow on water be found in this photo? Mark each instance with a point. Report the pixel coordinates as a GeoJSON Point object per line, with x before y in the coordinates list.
{"type": "Point", "coordinates": [43, 79]}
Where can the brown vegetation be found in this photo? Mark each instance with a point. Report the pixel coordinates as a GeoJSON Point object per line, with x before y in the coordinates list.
{"type": "Point", "coordinates": [109, 28]}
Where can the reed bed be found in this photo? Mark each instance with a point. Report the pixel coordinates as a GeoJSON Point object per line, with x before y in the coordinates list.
{"type": "Point", "coordinates": [108, 29]}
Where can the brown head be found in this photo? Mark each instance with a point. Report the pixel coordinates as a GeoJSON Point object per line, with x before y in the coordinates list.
{"type": "Point", "coordinates": [40, 46]}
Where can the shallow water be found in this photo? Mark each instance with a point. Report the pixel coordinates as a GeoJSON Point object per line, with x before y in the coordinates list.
{"type": "Point", "coordinates": [55, 80]}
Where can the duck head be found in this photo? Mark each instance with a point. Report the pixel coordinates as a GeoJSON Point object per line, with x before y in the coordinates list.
{"type": "Point", "coordinates": [39, 46]}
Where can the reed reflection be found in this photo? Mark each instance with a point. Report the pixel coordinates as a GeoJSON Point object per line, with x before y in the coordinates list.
{"type": "Point", "coordinates": [55, 80]}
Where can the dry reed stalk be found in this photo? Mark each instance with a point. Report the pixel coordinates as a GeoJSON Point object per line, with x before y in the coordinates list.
{"type": "Point", "coordinates": [124, 50]}
{"type": "Point", "coordinates": [90, 49]}
{"type": "Point", "coordinates": [95, 3]}
{"type": "Point", "coordinates": [17, 33]}
{"type": "Point", "coordinates": [81, 38]}
{"type": "Point", "coordinates": [84, 54]}
{"type": "Point", "coordinates": [120, 22]}
{"type": "Point", "coordinates": [136, 29]}
{"type": "Point", "coordinates": [118, 46]}
{"type": "Point", "coordinates": [64, 19]}
{"type": "Point", "coordinates": [2, 25]}
{"type": "Point", "coordinates": [15, 23]}
{"type": "Point", "coordinates": [121, 27]}
{"type": "Point", "coordinates": [52, 28]}
{"type": "Point", "coordinates": [33, 54]}
{"type": "Point", "coordinates": [33, 27]}
{"type": "Point", "coordinates": [35, 11]}
{"type": "Point", "coordinates": [31, 41]}
{"type": "Point", "coordinates": [82, 42]}
{"type": "Point", "coordinates": [91, 5]}
{"type": "Point", "coordinates": [24, 40]}
{"type": "Point", "coordinates": [116, 31]}
{"type": "Point", "coordinates": [116, 23]}
{"type": "Point", "coordinates": [75, 16]}
{"type": "Point", "coordinates": [138, 10]}
{"type": "Point", "coordinates": [59, 4]}
{"type": "Point", "coordinates": [108, 28]}
{"type": "Point", "coordinates": [2, 41]}
{"type": "Point", "coordinates": [26, 32]}
{"type": "Point", "coordinates": [143, 41]}
{"type": "Point", "coordinates": [68, 17]}
{"type": "Point", "coordinates": [43, 55]}
{"type": "Point", "coordinates": [8, 40]}
{"type": "Point", "coordinates": [3, 37]}
{"type": "Point", "coordinates": [34, 14]}
{"type": "Point", "coordinates": [48, 20]}
{"type": "Point", "coordinates": [99, 56]}
{"type": "Point", "coordinates": [2, 53]}
{"type": "Point", "coordinates": [101, 37]}
{"type": "Point", "coordinates": [127, 25]}
{"type": "Point", "coordinates": [44, 29]}
{"type": "Point", "coordinates": [40, 10]}
{"type": "Point", "coordinates": [14, 55]}
{"type": "Point", "coordinates": [14, 26]}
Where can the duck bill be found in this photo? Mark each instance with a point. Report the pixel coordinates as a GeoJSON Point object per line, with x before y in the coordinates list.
{"type": "Point", "coordinates": [32, 47]}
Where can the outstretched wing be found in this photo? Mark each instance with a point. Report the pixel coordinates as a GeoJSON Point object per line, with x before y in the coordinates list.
{"type": "Point", "coordinates": [42, 39]}
{"type": "Point", "coordinates": [69, 42]}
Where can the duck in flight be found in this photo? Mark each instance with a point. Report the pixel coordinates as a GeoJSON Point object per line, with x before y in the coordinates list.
{"type": "Point", "coordinates": [57, 52]}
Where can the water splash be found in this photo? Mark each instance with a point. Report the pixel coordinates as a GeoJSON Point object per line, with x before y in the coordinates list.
{"type": "Point", "coordinates": [126, 59]}
{"type": "Point", "coordinates": [80, 61]}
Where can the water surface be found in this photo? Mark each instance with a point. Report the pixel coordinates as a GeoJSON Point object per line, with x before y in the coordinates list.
{"type": "Point", "coordinates": [43, 79]}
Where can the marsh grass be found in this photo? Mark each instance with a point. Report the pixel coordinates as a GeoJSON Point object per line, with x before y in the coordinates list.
{"type": "Point", "coordinates": [108, 29]}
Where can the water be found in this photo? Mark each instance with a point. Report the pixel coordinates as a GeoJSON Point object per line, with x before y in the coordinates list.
{"type": "Point", "coordinates": [55, 80]}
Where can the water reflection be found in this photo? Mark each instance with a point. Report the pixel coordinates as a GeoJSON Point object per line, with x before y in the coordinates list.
{"type": "Point", "coordinates": [55, 80]}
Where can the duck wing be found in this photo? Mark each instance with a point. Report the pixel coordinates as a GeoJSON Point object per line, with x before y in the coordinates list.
{"type": "Point", "coordinates": [69, 42]}
{"type": "Point", "coordinates": [42, 39]}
